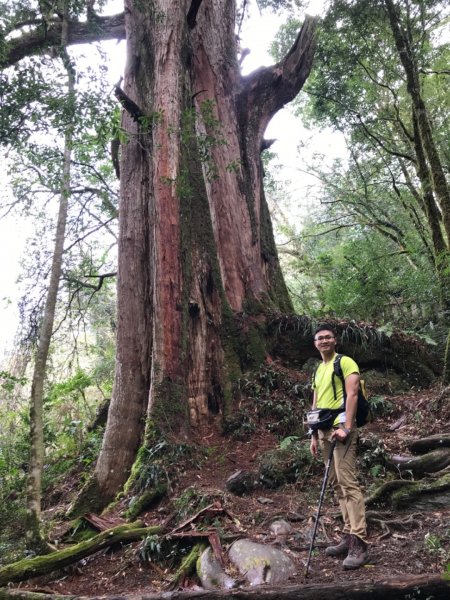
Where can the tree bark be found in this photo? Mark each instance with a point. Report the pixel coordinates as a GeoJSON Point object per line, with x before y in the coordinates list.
{"type": "Point", "coordinates": [196, 244]}
{"type": "Point", "coordinates": [34, 538]}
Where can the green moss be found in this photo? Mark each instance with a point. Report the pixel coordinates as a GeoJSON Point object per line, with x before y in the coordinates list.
{"type": "Point", "coordinates": [136, 469]}
{"type": "Point", "coordinates": [88, 500]}
{"type": "Point", "coordinates": [156, 465]}
{"type": "Point", "coordinates": [406, 495]}
{"type": "Point", "coordinates": [145, 501]}
{"type": "Point", "coordinates": [81, 531]}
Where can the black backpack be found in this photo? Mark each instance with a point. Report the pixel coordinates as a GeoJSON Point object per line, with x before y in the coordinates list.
{"type": "Point", "coordinates": [363, 406]}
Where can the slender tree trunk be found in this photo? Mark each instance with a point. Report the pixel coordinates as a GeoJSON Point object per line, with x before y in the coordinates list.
{"type": "Point", "coordinates": [34, 536]}
{"type": "Point", "coordinates": [433, 215]}
{"type": "Point", "coordinates": [406, 54]}
{"type": "Point", "coordinates": [196, 244]}
{"type": "Point", "coordinates": [434, 218]}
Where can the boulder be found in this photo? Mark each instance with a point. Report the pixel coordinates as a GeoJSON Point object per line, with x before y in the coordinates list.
{"type": "Point", "coordinates": [211, 573]}
{"type": "Point", "coordinates": [260, 563]}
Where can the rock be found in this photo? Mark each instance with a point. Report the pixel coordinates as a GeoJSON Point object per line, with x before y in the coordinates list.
{"type": "Point", "coordinates": [280, 529]}
{"type": "Point", "coordinates": [240, 483]}
{"type": "Point", "coordinates": [263, 500]}
{"type": "Point", "coordinates": [259, 563]}
{"type": "Point", "coordinates": [211, 573]}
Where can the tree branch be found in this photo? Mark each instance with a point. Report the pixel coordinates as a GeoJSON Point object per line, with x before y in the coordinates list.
{"type": "Point", "coordinates": [268, 89]}
{"type": "Point", "coordinates": [128, 104]}
{"type": "Point", "coordinates": [40, 40]}
{"type": "Point", "coordinates": [96, 287]}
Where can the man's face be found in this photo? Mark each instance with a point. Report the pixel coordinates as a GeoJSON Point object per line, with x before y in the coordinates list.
{"type": "Point", "coordinates": [325, 341]}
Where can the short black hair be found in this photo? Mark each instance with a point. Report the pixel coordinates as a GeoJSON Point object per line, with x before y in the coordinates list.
{"type": "Point", "coordinates": [325, 327]}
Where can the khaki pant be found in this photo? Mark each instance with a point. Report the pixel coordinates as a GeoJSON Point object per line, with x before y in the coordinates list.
{"type": "Point", "coordinates": [343, 479]}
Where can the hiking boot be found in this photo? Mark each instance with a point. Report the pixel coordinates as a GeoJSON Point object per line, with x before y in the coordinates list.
{"type": "Point", "coordinates": [357, 554]}
{"type": "Point", "coordinates": [340, 549]}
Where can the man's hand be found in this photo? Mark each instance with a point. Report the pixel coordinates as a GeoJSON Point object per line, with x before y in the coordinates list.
{"type": "Point", "coordinates": [340, 435]}
{"type": "Point", "coordinates": [314, 445]}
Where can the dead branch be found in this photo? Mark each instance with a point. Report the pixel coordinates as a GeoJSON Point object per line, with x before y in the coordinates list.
{"type": "Point", "coordinates": [268, 89]}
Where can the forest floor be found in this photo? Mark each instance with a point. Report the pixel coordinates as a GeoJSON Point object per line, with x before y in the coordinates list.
{"type": "Point", "coordinates": [407, 543]}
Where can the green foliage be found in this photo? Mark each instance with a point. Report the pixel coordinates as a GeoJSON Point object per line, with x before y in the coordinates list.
{"type": "Point", "coordinates": [436, 548]}
{"type": "Point", "coordinates": [366, 251]}
{"type": "Point", "coordinates": [69, 389]}
{"type": "Point", "coordinates": [372, 455]}
{"type": "Point", "coordinates": [8, 381]}
{"type": "Point", "coordinates": [13, 442]}
{"type": "Point", "coordinates": [285, 38]}
{"type": "Point", "coordinates": [285, 464]}
{"type": "Point", "coordinates": [282, 5]}
{"type": "Point", "coordinates": [288, 441]}
{"type": "Point", "coordinates": [150, 548]}
{"type": "Point", "coordinates": [239, 424]}
{"type": "Point", "coordinates": [380, 406]}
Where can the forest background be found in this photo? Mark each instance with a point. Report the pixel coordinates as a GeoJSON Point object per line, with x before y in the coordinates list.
{"type": "Point", "coordinates": [372, 246]}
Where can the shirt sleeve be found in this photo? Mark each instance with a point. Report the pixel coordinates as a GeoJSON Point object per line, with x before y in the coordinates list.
{"type": "Point", "coordinates": [348, 366]}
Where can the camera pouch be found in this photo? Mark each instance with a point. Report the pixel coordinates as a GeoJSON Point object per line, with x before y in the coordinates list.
{"type": "Point", "coordinates": [322, 418]}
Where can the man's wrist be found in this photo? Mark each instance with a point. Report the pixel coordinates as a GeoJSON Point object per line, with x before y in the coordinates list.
{"type": "Point", "coordinates": [346, 429]}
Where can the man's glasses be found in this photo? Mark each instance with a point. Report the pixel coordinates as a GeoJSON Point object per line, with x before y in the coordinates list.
{"type": "Point", "coordinates": [324, 337]}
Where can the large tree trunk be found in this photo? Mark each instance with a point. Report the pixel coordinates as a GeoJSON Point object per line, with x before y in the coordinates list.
{"type": "Point", "coordinates": [196, 243]}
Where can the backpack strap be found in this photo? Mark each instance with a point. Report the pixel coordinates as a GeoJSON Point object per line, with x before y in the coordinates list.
{"type": "Point", "coordinates": [337, 372]}
{"type": "Point", "coordinates": [313, 379]}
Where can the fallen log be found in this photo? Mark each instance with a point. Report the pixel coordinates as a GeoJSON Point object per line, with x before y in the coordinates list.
{"type": "Point", "coordinates": [432, 442]}
{"type": "Point", "coordinates": [40, 565]}
{"type": "Point", "coordinates": [431, 462]}
{"type": "Point", "coordinates": [422, 586]}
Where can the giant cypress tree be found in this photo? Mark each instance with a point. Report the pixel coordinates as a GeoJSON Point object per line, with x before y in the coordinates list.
{"type": "Point", "coordinates": [196, 244]}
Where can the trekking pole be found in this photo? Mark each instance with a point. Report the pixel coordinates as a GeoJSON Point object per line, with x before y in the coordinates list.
{"type": "Point", "coordinates": [322, 494]}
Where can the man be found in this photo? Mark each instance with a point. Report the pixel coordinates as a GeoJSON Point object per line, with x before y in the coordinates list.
{"type": "Point", "coordinates": [353, 543]}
